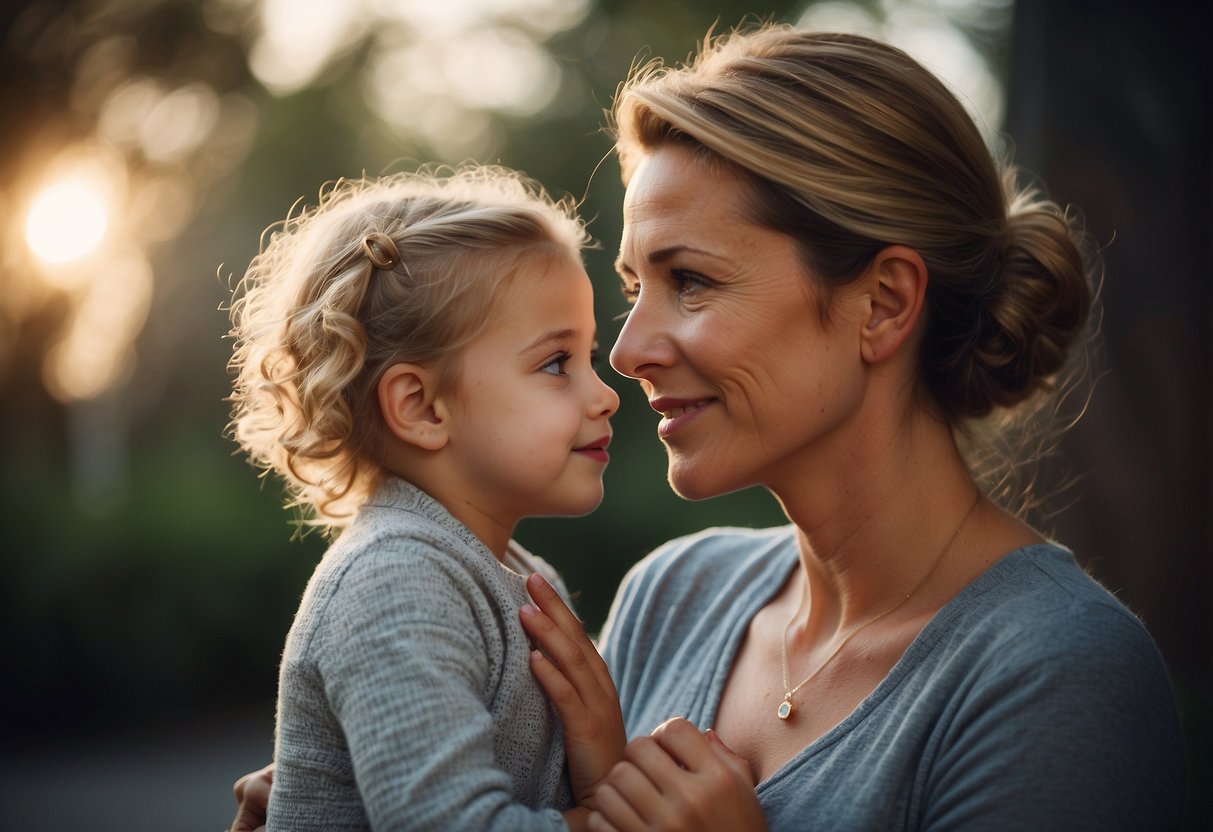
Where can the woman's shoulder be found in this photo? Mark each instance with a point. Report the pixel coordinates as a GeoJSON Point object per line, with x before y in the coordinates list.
{"type": "Point", "coordinates": [714, 553]}
{"type": "Point", "coordinates": [1037, 603]}
{"type": "Point", "coordinates": [693, 590]}
{"type": "Point", "coordinates": [1037, 663]}
{"type": "Point", "coordinates": [705, 572]}
{"type": "Point", "coordinates": [1047, 580]}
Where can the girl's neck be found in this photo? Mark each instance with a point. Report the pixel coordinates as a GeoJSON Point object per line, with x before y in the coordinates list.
{"type": "Point", "coordinates": [494, 532]}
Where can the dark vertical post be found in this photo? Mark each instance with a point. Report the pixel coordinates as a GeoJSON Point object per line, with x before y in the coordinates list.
{"type": "Point", "coordinates": [1109, 102]}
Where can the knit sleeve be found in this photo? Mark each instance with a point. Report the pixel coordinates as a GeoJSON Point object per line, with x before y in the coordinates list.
{"type": "Point", "coordinates": [406, 670]}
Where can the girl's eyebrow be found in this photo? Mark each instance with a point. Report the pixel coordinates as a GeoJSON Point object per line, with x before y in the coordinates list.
{"type": "Point", "coordinates": [555, 337]}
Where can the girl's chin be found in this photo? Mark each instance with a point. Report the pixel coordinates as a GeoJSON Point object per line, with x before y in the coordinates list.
{"type": "Point", "coordinates": [583, 507]}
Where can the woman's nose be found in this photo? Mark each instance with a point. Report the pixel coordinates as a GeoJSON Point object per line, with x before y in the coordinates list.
{"type": "Point", "coordinates": [641, 345]}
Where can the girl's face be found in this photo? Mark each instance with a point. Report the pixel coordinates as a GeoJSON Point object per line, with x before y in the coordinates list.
{"type": "Point", "coordinates": [531, 418]}
{"type": "Point", "coordinates": [726, 334]}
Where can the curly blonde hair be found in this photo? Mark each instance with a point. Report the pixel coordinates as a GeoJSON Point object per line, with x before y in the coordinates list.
{"type": "Point", "coordinates": [380, 271]}
{"type": "Point", "coordinates": [849, 146]}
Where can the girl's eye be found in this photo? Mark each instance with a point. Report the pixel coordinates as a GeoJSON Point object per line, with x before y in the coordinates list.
{"type": "Point", "coordinates": [556, 365]}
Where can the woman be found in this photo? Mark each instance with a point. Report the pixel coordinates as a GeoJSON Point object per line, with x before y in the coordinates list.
{"type": "Point", "coordinates": [831, 281]}
{"type": "Point", "coordinates": [835, 289]}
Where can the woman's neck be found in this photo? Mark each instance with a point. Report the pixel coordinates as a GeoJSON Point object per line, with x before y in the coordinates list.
{"type": "Point", "coordinates": [872, 526]}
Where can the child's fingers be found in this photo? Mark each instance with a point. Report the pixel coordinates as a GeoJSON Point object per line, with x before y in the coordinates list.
{"type": "Point", "coordinates": [575, 651]}
{"type": "Point", "coordinates": [549, 600]}
{"type": "Point", "coordinates": [596, 822]}
{"type": "Point", "coordinates": [564, 696]}
{"type": "Point", "coordinates": [252, 793]}
{"type": "Point", "coordinates": [568, 655]}
{"type": "Point", "coordinates": [726, 755]}
{"type": "Point", "coordinates": [614, 810]}
{"type": "Point", "coordinates": [594, 735]}
{"type": "Point", "coordinates": [574, 677]}
{"type": "Point", "coordinates": [632, 797]}
{"type": "Point", "coordinates": [683, 742]}
{"type": "Point", "coordinates": [705, 785]}
{"type": "Point", "coordinates": [651, 756]}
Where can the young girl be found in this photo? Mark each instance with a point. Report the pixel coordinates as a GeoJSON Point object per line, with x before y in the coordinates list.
{"type": "Point", "coordinates": [413, 358]}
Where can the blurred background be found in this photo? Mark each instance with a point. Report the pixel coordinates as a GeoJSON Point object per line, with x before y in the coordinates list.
{"type": "Point", "coordinates": [149, 577]}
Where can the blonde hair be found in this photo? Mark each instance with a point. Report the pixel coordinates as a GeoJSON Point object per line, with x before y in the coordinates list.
{"type": "Point", "coordinates": [850, 146]}
{"type": "Point", "coordinates": [380, 271]}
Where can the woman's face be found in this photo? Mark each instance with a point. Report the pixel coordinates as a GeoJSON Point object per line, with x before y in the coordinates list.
{"type": "Point", "coordinates": [726, 334]}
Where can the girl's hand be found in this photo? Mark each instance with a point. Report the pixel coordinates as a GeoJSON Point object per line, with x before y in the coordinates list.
{"type": "Point", "coordinates": [677, 779]}
{"type": "Point", "coordinates": [252, 792]}
{"type": "Point", "coordinates": [575, 678]}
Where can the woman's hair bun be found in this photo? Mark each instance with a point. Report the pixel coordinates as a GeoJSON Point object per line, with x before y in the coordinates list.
{"type": "Point", "coordinates": [1040, 306]}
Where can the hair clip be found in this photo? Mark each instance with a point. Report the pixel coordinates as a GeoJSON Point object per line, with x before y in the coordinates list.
{"type": "Point", "coordinates": [381, 250]}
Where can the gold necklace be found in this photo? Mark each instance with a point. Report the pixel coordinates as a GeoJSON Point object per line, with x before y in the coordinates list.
{"type": "Point", "coordinates": [785, 707]}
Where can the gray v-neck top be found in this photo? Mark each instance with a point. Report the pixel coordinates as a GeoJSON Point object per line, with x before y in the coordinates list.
{"type": "Point", "coordinates": [1033, 700]}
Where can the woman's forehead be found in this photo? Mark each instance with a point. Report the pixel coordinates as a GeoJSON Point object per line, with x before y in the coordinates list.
{"type": "Point", "coordinates": [677, 201]}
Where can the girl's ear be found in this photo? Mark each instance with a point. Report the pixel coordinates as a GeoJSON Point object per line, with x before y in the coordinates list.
{"type": "Point", "coordinates": [897, 287]}
{"type": "Point", "coordinates": [410, 407]}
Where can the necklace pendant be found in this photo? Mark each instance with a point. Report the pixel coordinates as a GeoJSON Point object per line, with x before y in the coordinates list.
{"type": "Point", "coordinates": [785, 709]}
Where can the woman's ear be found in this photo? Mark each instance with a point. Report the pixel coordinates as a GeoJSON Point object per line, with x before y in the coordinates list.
{"type": "Point", "coordinates": [897, 287]}
{"type": "Point", "coordinates": [411, 408]}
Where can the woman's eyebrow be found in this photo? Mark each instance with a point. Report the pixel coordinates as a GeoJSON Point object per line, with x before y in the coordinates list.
{"type": "Point", "coordinates": [661, 255]}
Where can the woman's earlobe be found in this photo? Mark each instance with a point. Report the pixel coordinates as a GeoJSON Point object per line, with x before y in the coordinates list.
{"type": "Point", "coordinates": [897, 282]}
{"type": "Point", "coordinates": [410, 407]}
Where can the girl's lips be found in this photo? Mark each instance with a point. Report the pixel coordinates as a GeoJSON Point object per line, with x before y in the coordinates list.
{"type": "Point", "coordinates": [596, 450]}
{"type": "Point", "coordinates": [677, 413]}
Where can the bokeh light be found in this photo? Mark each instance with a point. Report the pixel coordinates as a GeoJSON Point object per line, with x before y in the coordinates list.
{"type": "Point", "coordinates": [68, 218]}
{"type": "Point", "coordinates": [435, 72]}
{"type": "Point", "coordinates": [299, 37]}
{"type": "Point", "coordinates": [96, 350]}
{"type": "Point", "coordinates": [931, 31]}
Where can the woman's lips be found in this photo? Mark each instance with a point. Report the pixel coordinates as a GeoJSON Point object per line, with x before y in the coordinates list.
{"type": "Point", "coordinates": [596, 450]}
{"type": "Point", "coordinates": [677, 413]}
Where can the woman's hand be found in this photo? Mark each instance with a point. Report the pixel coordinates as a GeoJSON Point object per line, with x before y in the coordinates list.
{"type": "Point", "coordinates": [677, 779]}
{"type": "Point", "coordinates": [575, 678]}
{"type": "Point", "coordinates": [252, 793]}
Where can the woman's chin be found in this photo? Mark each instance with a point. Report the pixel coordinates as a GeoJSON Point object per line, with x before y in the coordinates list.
{"type": "Point", "coordinates": [695, 483]}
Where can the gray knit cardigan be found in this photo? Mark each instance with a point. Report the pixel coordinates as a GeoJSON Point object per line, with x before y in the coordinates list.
{"type": "Point", "coordinates": [406, 700]}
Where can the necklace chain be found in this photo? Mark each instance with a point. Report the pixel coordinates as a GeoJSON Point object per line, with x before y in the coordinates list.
{"type": "Point", "coordinates": [785, 707]}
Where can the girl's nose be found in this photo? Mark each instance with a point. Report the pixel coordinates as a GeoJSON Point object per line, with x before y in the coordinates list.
{"type": "Point", "coordinates": [605, 401]}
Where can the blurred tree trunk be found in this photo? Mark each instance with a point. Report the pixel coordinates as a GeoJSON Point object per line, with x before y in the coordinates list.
{"type": "Point", "coordinates": [1109, 104]}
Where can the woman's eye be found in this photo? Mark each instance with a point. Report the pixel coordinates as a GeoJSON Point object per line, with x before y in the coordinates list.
{"type": "Point", "coordinates": [631, 294]}
{"type": "Point", "coordinates": [688, 281]}
{"type": "Point", "coordinates": [556, 365]}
